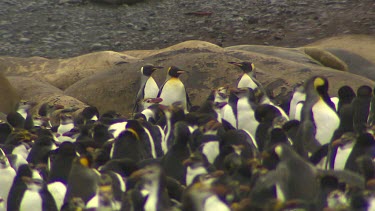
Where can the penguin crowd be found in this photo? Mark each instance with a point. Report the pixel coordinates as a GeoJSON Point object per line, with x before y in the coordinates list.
{"type": "Point", "coordinates": [237, 150]}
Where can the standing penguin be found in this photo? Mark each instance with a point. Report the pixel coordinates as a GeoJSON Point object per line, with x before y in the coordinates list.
{"type": "Point", "coordinates": [173, 90]}
{"type": "Point", "coordinates": [180, 151]}
{"type": "Point", "coordinates": [318, 116]}
{"type": "Point", "coordinates": [148, 88]}
{"type": "Point", "coordinates": [293, 177]}
{"type": "Point", "coordinates": [248, 77]}
{"type": "Point", "coordinates": [246, 110]}
{"type": "Point", "coordinates": [361, 108]}
{"type": "Point", "coordinates": [7, 176]}
{"type": "Point", "coordinates": [82, 181]}
{"type": "Point", "coordinates": [29, 193]}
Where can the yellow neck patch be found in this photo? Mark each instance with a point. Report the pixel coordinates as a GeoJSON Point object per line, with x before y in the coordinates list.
{"type": "Point", "coordinates": [134, 133]}
{"type": "Point", "coordinates": [105, 188]}
{"type": "Point", "coordinates": [318, 82]}
{"type": "Point", "coordinates": [84, 161]}
{"type": "Point", "coordinates": [252, 66]}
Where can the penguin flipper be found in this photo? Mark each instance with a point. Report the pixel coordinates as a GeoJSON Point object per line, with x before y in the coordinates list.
{"type": "Point", "coordinates": [140, 96]}
{"type": "Point", "coordinates": [319, 154]}
{"type": "Point", "coordinates": [266, 181]}
{"type": "Point", "coordinates": [161, 88]}
{"type": "Point", "coordinates": [188, 102]}
{"type": "Point", "coordinates": [349, 177]}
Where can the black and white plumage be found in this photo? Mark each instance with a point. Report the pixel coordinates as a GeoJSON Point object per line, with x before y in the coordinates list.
{"type": "Point", "coordinates": [247, 79]}
{"type": "Point", "coordinates": [319, 119]}
{"type": "Point", "coordinates": [173, 90]}
{"type": "Point", "coordinates": [148, 88]}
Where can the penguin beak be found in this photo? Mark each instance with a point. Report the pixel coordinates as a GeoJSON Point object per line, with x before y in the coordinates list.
{"type": "Point", "coordinates": [157, 67]}
{"type": "Point", "coordinates": [235, 63]}
{"type": "Point", "coordinates": [181, 71]}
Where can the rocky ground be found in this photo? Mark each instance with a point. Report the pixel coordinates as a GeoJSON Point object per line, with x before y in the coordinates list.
{"type": "Point", "coordinates": [66, 28]}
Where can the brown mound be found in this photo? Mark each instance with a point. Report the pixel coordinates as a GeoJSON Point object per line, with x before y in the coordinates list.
{"type": "Point", "coordinates": [8, 95]}
{"type": "Point", "coordinates": [64, 72]}
{"type": "Point", "coordinates": [209, 68]}
{"type": "Point", "coordinates": [41, 92]}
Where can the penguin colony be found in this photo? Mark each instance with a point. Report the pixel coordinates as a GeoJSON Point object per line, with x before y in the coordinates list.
{"type": "Point", "coordinates": [236, 151]}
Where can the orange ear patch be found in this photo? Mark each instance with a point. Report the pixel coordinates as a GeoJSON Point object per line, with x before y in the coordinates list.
{"type": "Point", "coordinates": [84, 161]}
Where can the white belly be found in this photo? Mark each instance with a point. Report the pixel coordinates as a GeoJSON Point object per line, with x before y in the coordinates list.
{"type": "Point", "coordinates": [173, 91]}
{"type": "Point", "coordinates": [63, 128]}
{"type": "Point", "coordinates": [297, 97]}
{"type": "Point", "coordinates": [57, 190]}
{"type": "Point", "coordinates": [228, 115]}
{"type": "Point", "coordinates": [151, 90]}
{"type": "Point", "coordinates": [245, 116]}
{"type": "Point", "coordinates": [7, 176]}
{"type": "Point", "coordinates": [213, 203]}
{"type": "Point", "coordinates": [246, 81]}
{"type": "Point", "coordinates": [342, 155]}
{"type": "Point", "coordinates": [326, 122]}
{"type": "Point", "coordinates": [31, 201]}
{"type": "Point", "coordinates": [211, 150]}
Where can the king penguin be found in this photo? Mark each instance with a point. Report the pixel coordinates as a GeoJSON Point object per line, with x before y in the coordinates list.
{"type": "Point", "coordinates": [173, 90]}
{"type": "Point", "coordinates": [246, 110]}
{"type": "Point", "coordinates": [247, 79]}
{"type": "Point", "coordinates": [7, 176]}
{"type": "Point", "coordinates": [28, 192]}
{"type": "Point", "coordinates": [317, 112]}
{"type": "Point", "coordinates": [82, 181]}
{"type": "Point", "coordinates": [361, 108]}
{"type": "Point", "coordinates": [148, 89]}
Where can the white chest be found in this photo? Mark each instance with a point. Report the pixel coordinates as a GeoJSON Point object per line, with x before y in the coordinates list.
{"type": "Point", "coordinates": [31, 201]}
{"type": "Point", "coordinates": [173, 91]}
{"type": "Point", "coordinates": [228, 115]}
{"type": "Point", "coordinates": [326, 122]}
{"type": "Point", "coordinates": [151, 89]}
{"type": "Point", "coordinates": [342, 155]}
{"type": "Point", "coordinates": [246, 81]}
{"type": "Point", "coordinates": [191, 173]}
{"type": "Point", "coordinates": [245, 116]}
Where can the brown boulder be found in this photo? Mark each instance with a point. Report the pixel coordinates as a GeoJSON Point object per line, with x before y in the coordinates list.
{"type": "Point", "coordinates": [41, 92]}
{"type": "Point", "coordinates": [9, 97]}
{"type": "Point", "coordinates": [356, 52]}
{"type": "Point", "coordinates": [209, 68]}
{"type": "Point", "coordinates": [64, 72]}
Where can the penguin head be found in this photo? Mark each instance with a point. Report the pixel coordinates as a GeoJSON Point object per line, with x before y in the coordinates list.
{"type": "Point", "coordinates": [346, 93]}
{"type": "Point", "coordinates": [321, 85]}
{"type": "Point", "coordinates": [46, 109]}
{"type": "Point", "coordinates": [25, 105]}
{"type": "Point", "coordinates": [147, 70]}
{"type": "Point", "coordinates": [85, 160]}
{"type": "Point", "coordinates": [15, 119]}
{"type": "Point", "coordinates": [246, 67]}
{"type": "Point", "coordinates": [90, 113]}
{"type": "Point", "coordinates": [175, 72]}
{"type": "Point", "coordinates": [219, 96]}
{"type": "Point", "coordinates": [284, 152]}
{"type": "Point", "coordinates": [364, 91]}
